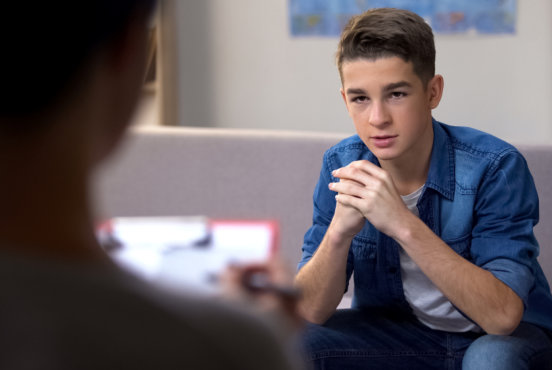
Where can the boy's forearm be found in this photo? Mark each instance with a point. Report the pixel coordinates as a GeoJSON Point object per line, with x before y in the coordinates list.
{"type": "Point", "coordinates": [322, 280]}
{"type": "Point", "coordinates": [478, 293]}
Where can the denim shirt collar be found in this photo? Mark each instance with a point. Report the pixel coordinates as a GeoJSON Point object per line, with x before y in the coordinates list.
{"type": "Point", "coordinates": [441, 175]}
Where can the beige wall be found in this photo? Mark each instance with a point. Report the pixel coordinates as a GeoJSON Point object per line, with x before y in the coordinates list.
{"type": "Point", "coordinates": [239, 67]}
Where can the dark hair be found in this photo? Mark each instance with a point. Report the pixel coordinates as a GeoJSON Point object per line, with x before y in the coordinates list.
{"type": "Point", "coordinates": [47, 43]}
{"type": "Point", "coordinates": [387, 32]}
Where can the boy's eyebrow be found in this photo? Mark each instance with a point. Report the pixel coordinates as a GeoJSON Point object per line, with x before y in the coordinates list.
{"type": "Point", "coordinates": [355, 91]}
{"type": "Point", "coordinates": [391, 86]}
{"type": "Point", "coordinates": [397, 85]}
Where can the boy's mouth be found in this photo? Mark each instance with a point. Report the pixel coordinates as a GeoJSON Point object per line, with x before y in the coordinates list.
{"type": "Point", "coordinates": [383, 141]}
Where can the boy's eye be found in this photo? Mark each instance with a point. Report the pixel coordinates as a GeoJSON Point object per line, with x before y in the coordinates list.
{"type": "Point", "coordinates": [398, 94]}
{"type": "Point", "coordinates": [359, 99]}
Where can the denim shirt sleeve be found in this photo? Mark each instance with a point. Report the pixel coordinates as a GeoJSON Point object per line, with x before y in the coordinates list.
{"type": "Point", "coordinates": [323, 210]}
{"type": "Point", "coordinates": [506, 210]}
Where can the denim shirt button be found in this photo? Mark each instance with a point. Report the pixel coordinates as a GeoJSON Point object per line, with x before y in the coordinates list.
{"type": "Point", "coordinates": [392, 270]}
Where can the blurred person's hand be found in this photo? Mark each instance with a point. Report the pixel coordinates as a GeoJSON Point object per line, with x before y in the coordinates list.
{"type": "Point", "coordinates": [267, 286]}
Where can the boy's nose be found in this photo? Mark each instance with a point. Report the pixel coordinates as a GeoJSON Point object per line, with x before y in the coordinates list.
{"type": "Point", "coordinates": [378, 114]}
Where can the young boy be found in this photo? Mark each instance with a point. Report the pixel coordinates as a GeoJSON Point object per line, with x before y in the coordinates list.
{"type": "Point", "coordinates": [436, 222]}
{"type": "Point", "coordinates": [73, 71]}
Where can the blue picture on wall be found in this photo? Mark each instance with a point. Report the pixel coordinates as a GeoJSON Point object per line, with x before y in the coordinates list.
{"type": "Point", "coordinates": [328, 17]}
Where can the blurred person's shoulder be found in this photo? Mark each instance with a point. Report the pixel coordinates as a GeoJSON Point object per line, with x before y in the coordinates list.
{"type": "Point", "coordinates": [78, 316]}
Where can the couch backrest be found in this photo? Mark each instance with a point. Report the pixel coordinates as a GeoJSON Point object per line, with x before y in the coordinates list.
{"type": "Point", "coordinates": [539, 159]}
{"type": "Point", "coordinates": [219, 173]}
{"type": "Point", "coordinates": [246, 174]}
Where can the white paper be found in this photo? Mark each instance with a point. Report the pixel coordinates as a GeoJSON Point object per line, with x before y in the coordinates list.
{"type": "Point", "coordinates": [188, 253]}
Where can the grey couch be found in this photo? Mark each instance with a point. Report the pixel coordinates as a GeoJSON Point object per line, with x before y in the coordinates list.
{"type": "Point", "coordinates": [245, 174]}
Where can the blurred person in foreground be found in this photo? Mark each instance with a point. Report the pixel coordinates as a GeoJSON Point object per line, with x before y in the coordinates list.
{"type": "Point", "coordinates": [72, 76]}
{"type": "Point", "coordinates": [436, 221]}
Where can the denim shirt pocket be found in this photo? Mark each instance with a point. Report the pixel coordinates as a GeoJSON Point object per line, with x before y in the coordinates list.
{"type": "Point", "coordinates": [365, 262]}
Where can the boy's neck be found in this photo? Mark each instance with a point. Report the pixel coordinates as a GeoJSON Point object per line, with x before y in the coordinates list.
{"type": "Point", "coordinates": [407, 179]}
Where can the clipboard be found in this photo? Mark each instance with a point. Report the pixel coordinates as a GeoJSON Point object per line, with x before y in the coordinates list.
{"type": "Point", "coordinates": [186, 253]}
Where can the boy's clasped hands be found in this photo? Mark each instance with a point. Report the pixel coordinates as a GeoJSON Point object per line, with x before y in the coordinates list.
{"type": "Point", "coordinates": [366, 192]}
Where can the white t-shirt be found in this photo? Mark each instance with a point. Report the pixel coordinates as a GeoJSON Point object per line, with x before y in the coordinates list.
{"type": "Point", "coordinates": [429, 305]}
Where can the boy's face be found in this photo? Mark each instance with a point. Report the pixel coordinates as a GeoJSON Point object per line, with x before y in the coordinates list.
{"type": "Point", "coordinates": [390, 107]}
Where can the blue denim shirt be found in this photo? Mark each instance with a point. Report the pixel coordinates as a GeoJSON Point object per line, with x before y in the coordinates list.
{"type": "Point", "coordinates": [479, 198]}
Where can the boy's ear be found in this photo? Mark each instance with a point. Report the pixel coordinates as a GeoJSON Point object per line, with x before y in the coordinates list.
{"type": "Point", "coordinates": [435, 90]}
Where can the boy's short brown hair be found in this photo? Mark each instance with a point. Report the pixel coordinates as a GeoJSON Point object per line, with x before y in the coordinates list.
{"type": "Point", "coordinates": [387, 32]}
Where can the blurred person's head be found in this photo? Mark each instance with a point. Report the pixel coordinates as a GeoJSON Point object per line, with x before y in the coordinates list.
{"type": "Point", "coordinates": [72, 73]}
{"type": "Point", "coordinates": [64, 59]}
{"type": "Point", "coordinates": [387, 32]}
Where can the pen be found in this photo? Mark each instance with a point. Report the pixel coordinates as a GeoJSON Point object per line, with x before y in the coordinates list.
{"type": "Point", "coordinates": [258, 282]}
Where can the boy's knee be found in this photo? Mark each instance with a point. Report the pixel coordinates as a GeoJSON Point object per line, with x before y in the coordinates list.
{"type": "Point", "coordinates": [495, 352]}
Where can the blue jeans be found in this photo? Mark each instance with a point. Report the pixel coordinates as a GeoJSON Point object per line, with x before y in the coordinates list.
{"type": "Point", "coordinates": [381, 339]}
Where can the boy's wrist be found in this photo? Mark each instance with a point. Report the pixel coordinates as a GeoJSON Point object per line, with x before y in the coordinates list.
{"type": "Point", "coordinates": [339, 238]}
{"type": "Point", "coordinates": [406, 231]}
